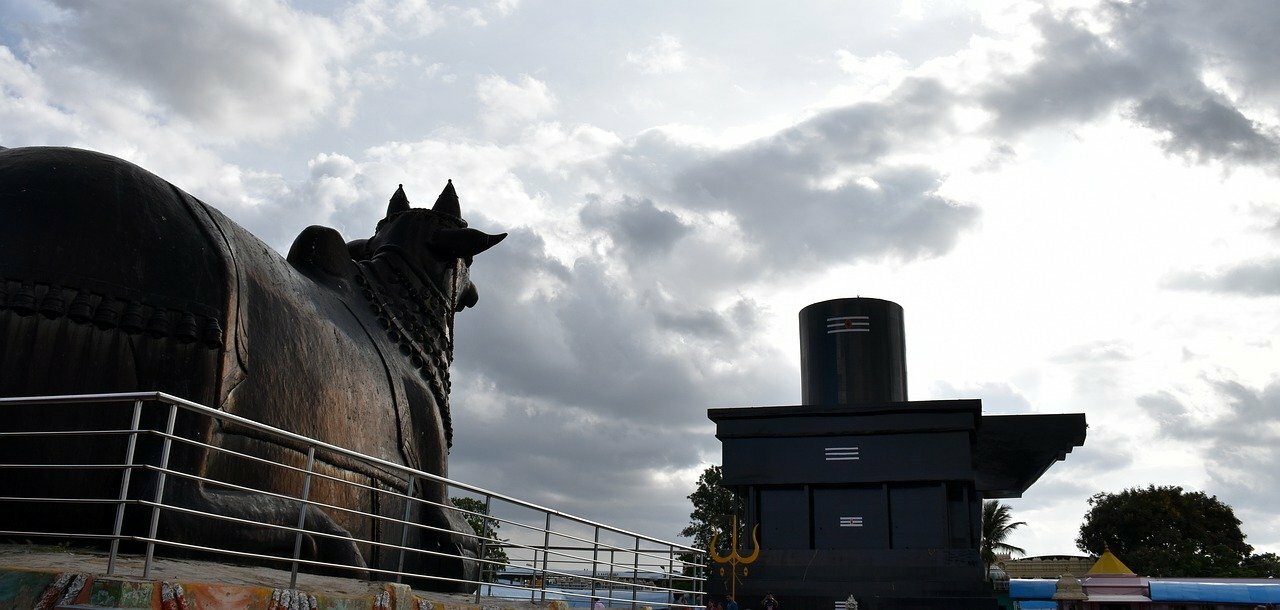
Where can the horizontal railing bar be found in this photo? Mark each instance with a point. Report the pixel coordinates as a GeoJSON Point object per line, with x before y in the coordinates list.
{"type": "Point", "coordinates": [619, 574]}
{"type": "Point", "coordinates": [238, 487]}
{"type": "Point", "coordinates": [604, 545]}
{"type": "Point", "coordinates": [83, 398]}
{"type": "Point", "coordinates": [290, 528]}
{"type": "Point", "coordinates": [110, 432]}
{"type": "Point", "coordinates": [335, 479]}
{"type": "Point", "coordinates": [310, 562]}
{"type": "Point", "coordinates": [630, 550]}
{"type": "Point", "coordinates": [382, 518]}
{"type": "Point", "coordinates": [635, 568]}
{"type": "Point", "coordinates": [197, 547]}
{"type": "Point", "coordinates": [218, 517]}
{"type": "Point", "coordinates": [567, 592]}
{"type": "Point", "coordinates": [62, 500]}
{"type": "Point", "coordinates": [218, 483]}
{"type": "Point", "coordinates": [574, 593]}
{"type": "Point", "coordinates": [536, 572]}
{"type": "Point", "coordinates": [600, 562]}
{"type": "Point", "coordinates": [60, 535]}
{"type": "Point", "coordinates": [302, 471]}
{"type": "Point", "coordinates": [67, 466]}
{"type": "Point", "coordinates": [244, 488]}
{"type": "Point", "coordinates": [192, 406]}
{"type": "Point", "coordinates": [231, 452]}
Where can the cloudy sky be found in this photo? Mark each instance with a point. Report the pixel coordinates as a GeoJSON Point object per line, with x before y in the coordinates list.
{"type": "Point", "coordinates": [1077, 205]}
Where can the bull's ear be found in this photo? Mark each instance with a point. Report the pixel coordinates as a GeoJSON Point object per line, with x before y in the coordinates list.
{"type": "Point", "coordinates": [399, 203]}
{"type": "Point", "coordinates": [463, 242]}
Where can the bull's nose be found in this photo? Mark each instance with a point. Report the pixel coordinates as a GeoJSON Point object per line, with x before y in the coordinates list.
{"type": "Point", "coordinates": [469, 297]}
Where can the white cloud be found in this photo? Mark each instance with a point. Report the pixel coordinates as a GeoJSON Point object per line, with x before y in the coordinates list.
{"type": "Point", "coordinates": [873, 76]}
{"type": "Point", "coordinates": [255, 69]}
{"type": "Point", "coordinates": [665, 55]}
{"type": "Point", "coordinates": [507, 104]}
{"type": "Point", "coordinates": [394, 19]}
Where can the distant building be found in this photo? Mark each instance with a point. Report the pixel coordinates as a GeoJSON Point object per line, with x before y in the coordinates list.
{"type": "Point", "coordinates": [1110, 585]}
{"type": "Point", "coordinates": [1047, 566]}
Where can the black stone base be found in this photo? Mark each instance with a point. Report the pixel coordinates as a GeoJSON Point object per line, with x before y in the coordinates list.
{"type": "Point", "coordinates": [896, 579]}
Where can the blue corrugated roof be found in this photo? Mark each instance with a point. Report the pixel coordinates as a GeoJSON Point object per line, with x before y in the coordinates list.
{"type": "Point", "coordinates": [1215, 592]}
{"type": "Point", "coordinates": [1037, 604]}
{"type": "Point", "coordinates": [1032, 588]}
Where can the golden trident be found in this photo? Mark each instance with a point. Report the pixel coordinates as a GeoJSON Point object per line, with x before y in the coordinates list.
{"type": "Point", "coordinates": [733, 558]}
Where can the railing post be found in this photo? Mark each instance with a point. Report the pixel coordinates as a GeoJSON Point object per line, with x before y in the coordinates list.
{"type": "Point", "coordinates": [671, 574]}
{"type": "Point", "coordinates": [124, 487]}
{"type": "Point", "coordinates": [159, 497]}
{"type": "Point", "coordinates": [595, 564]}
{"type": "Point", "coordinates": [484, 545]}
{"type": "Point", "coordinates": [635, 574]}
{"type": "Point", "coordinates": [533, 578]}
{"type": "Point", "coordinates": [302, 517]}
{"type": "Point", "coordinates": [703, 570]}
{"type": "Point", "coordinates": [546, 544]}
{"type": "Point", "coordinates": [404, 527]}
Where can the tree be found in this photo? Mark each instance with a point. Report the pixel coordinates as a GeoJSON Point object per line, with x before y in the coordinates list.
{"type": "Point", "coordinates": [997, 525]}
{"type": "Point", "coordinates": [1165, 531]}
{"type": "Point", "coordinates": [713, 509]}
{"type": "Point", "coordinates": [487, 528]}
{"type": "Point", "coordinates": [1265, 565]}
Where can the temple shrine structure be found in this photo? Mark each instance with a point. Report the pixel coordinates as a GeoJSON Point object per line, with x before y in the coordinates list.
{"type": "Point", "coordinates": [861, 498]}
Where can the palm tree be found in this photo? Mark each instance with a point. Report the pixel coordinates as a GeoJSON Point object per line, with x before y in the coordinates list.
{"type": "Point", "coordinates": [997, 525]}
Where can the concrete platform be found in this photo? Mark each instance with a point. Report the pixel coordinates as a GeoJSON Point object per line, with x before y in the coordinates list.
{"type": "Point", "coordinates": [51, 578]}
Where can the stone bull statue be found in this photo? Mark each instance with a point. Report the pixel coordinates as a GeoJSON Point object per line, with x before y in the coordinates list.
{"type": "Point", "coordinates": [112, 279]}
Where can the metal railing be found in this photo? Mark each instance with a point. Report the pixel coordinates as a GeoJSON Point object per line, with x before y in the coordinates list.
{"type": "Point", "coordinates": [526, 550]}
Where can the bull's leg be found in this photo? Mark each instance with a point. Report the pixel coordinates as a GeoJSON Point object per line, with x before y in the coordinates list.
{"type": "Point", "coordinates": [330, 543]}
{"type": "Point", "coordinates": [456, 545]}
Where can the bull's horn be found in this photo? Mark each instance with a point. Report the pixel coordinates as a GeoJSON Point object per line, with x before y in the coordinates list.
{"type": "Point", "coordinates": [447, 202]}
{"type": "Point", "coordinates": [399, 203]}
{"type": "Point", "coordinates": [464, 242]}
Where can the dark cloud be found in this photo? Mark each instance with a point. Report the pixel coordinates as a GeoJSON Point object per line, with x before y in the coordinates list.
{"type": "Point", "coordinates": [1077, 76]}
{"type": "Point", "coordinates": [820, 193]}
{"type": "Point", "coordinates": [580, 338]}
{"type": "Point", "coordinates": [1238, 440]}
{"type": "Point", "coordinates": [1163, 407]}
{"type": "Point", "coordinates": [699, 323]}
{"type": "Point", "coordinates": [636, 226]}
{"type": "Point", "coordinates": [1208, 130]}
{"type": "Point", "coordinates": [593, 466]}
{"type": "Point", "coordinates": [1152, 61]}
{"type": "Point", "coordinates": [1238, 40]}
{"type": "Point", "coordinates": [583, 390]}
{"type": "Point", "coordinates": [1254, 279]}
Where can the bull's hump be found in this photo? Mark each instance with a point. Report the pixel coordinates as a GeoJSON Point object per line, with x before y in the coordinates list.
{"type": "Point", "coordinates": [321, 254]}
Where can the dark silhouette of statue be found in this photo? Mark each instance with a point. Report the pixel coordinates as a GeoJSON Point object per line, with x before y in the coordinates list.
{"type": "Point", "coordinates": [112, 279]}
